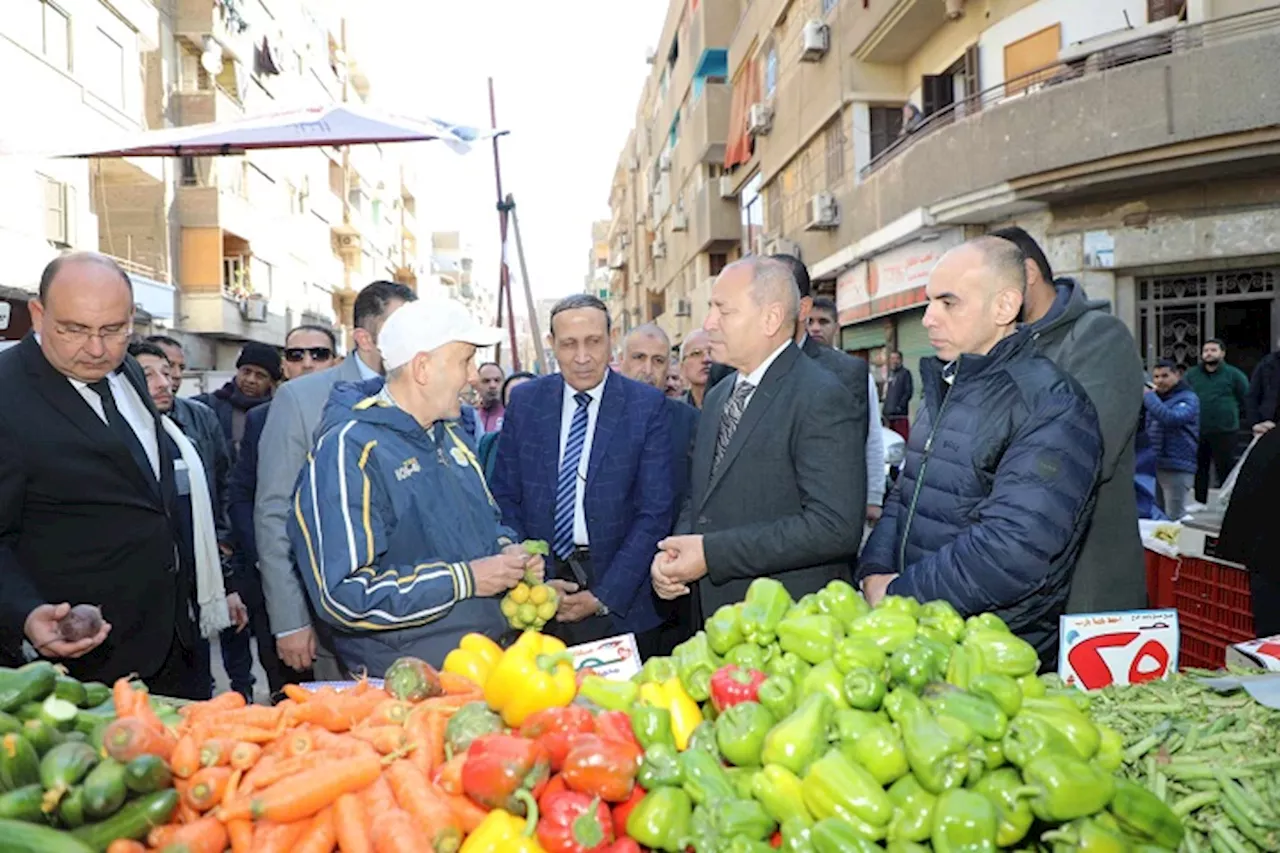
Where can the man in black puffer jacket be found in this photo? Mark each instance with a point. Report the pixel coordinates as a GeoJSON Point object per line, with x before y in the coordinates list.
{"type": "Point", "coordinates": [1002, 465]}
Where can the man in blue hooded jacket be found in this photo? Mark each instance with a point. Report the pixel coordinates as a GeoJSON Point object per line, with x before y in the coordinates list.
{"type": "Point", "coordinates": [1002, 464]}
{"type": "Point", "coordinates": [1173, 427]}
{"type": "Point", "coordinates": [400, 545]}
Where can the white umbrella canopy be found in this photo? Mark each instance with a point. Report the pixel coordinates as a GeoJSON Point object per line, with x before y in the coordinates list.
{"type": "Point", "coordinates": [335, 124]}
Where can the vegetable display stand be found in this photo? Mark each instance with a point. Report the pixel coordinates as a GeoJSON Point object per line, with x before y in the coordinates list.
{"type": "Point", "coordinates": [1212, 598]}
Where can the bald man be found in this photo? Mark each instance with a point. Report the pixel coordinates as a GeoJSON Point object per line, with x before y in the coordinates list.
{"type": "Point", "coordinates": [998, 486]}
{"type": "Point", "coordinates": [762, 500]}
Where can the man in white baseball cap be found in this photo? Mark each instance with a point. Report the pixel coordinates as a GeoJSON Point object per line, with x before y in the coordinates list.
{"type": "Point", "coordinates": [399, 542]}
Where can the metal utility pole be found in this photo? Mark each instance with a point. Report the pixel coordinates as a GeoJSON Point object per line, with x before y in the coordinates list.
{"type": "Point", "coordinates": [538, 358]}
{"type": "Point", "coordinates": [504, 272]}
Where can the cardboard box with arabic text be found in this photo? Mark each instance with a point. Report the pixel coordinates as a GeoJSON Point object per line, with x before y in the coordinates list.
{"type": "Point", "coordinates": [1262, 653]}
{"type": "Point", "coordinates": [617, 657]}
{"type": "Point", "coordinates": [1096, 650]}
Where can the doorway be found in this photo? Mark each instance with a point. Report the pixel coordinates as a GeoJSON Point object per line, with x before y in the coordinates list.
{"type": "Point", "coordinates": [1178, 313]}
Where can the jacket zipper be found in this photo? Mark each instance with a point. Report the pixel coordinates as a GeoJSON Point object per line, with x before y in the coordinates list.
{"type": "Point", "coordinates": [924, 464]}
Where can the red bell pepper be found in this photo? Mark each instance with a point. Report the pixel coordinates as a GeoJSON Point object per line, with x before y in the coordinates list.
{"type": "Point", "coordinates": [602, 768]}
{"type": "Point", "coordinates": [575, 823]}
{"type": "Point", "coordinates": [624, 845]}
{"type": "Point", "coordinates": [498, 766]}
{"type": "Point", "coordinates": [731, 685]}
{"type": "Point", "coordinates": [554, 728]}
{"type": "Point", "coordinates": [616, 725]}
{"type": "Point", "coordinates": [622, 811]}
{"type": "Point", "coordinates": [555, 787]}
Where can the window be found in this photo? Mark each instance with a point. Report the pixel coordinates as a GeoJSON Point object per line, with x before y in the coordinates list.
{"type": "Point", "coordinates": [44, 28]}
{"type": "Point", "coordinates": [774, 195]}
{"type": "Point", "coordinates": [106, 76]}
{"type": "Point", "coordinates": [835, 151]}
{"type": "Point", "coordinates": [58, 216]}
{"type": "Point", "coordinates": [717, 261]}
{"type": "Point", "coordinates": [189, 176]}
{"type": "Point", "coordinates": [770, 69]}
{"type": "Point", "coordinates": [886, 126]}
{"type": "Point", "coordinates": [1159, 9]}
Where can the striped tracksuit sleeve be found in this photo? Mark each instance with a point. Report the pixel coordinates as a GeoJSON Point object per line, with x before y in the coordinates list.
{"type": "Point", "coordinates": [338, 530]}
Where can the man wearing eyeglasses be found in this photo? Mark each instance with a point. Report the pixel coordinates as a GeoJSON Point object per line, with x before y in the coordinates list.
{"type": "Point", "coordinates": [87, 489]}
{"type": "Point", "coordinates": [695, 366]}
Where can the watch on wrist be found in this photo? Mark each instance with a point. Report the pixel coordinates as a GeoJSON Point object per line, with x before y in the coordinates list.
{"type": "Point", "coordinates": [602, 609]}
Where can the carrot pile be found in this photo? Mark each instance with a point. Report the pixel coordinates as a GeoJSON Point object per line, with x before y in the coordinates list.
{"type": "Point", "coordinates": [353, 770]}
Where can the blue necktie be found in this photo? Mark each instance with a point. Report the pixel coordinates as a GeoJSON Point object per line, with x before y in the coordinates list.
{"type": "Point", "coordinates": [567, 485]}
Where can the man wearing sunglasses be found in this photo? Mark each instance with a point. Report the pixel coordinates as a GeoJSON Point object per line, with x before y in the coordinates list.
{"type": "Point", "coordinates": [308, 349]}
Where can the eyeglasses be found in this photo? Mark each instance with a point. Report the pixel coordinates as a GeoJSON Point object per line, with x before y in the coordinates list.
{"type": "Point", "coordinates": [80, 335]}
{"type": "Point", "coordinates": [296, 354]}
{"type": "Point", "coordinates": [695, 354]}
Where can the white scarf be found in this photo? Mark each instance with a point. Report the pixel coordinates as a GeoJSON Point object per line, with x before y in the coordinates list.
{"type": "Point", "coordinates": [211, 595]}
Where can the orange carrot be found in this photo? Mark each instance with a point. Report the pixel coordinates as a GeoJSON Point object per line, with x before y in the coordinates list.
{"type": "Point", "coordinates": [184, 761]}
{"type": "Point", "coordinates": [127, 738]}
{"type": "Point", "coordinates": [248, 734]}
{"type": "Point", "coordinates": [286, 767]}
{"type": "Point", "coordinates": [385, 739]}
{"type": "Point", "coordinates": [241, 834]}
{"type": "Point", "coordinates": [326, 715]}
{"type": "Point", "coordinates": [379, 800]}
{"type": "Point", "coordinates": [233, 787]}
{"type": "Point", "coordinates": [454, 683]}
{"type": "Point", "coordinates": [389, 712]}
{"type": "Point", "coordinates": [207, 788]}
{"type": "Point", "coordinates": [299, 742]}
{"type": "Point", "coordinates": [431, 813]}
{"type": "Point", "coordinates": [185, 814]}
{"type": "Point", "coordinates": [206, 835]}
{"type": "Point", "coordinates": [143, 711]}
{"type": "Point", "coordinates": [126, 845]}
{"type": "Point", "coordinates": [449, 775]}
{"type": "Point", "coordinates": [244, 755]}
{"type": "Point", "coordinates": [396, 832]}
{"type": "Point", "coordinates": [304, 795]}
{"type": "Point", "coordinates": [437, 723]}
{"type": "Point", "coordinates": [465, 811]}
{"type": "Point", "coordinates": [228, 701]}
{"type": "Point", "coordinates": [448, 703]}
{"type": "Point", "coordinates": [254, 716]}
{"type": "Point", "coordinates": [269, 837]}
{"type": "Point", "coordinates": [298, 693]}
{"type": "Point", "coordinates": [321, 836]}
{"type": "Point", "coordinates": [216, 752]}
{"type": "Point", "coordinates": [160, 836]}
{"type": "Point", "coordinates": [124, 696]}
{"type": "Point", "coordinates": [351, 824]}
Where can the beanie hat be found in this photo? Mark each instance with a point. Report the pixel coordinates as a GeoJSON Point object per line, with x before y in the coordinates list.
{"type": "Point", "coordinates": [261, 355]}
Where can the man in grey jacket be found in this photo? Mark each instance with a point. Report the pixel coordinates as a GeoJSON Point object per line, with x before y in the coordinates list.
{"type": "Point", "coordinates": [1095, 347]}
{"type": "Point", "coordinates": [286, 440]}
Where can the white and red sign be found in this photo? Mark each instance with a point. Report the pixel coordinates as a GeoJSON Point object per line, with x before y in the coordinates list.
{"type": "Point", "coordinates": [1263, 653]}
{"type": "Point", "coordinates": [617, 657]}
{"type": "Point", "coordinates": [1096, 650]}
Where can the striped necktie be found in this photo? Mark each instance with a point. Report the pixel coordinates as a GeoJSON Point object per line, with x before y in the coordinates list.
{"type": "Point", "coordinates": [729, 419]}
{"type": "Point", "coordinates": [567, 485]}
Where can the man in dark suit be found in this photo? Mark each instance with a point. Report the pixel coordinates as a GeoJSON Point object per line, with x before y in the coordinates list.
{"type": "Point", "coordinates": [762, 498]}
{"type": "Point", "coordinates": [87, 506]}
{"type": "Point", "coordinates": [585, 463]}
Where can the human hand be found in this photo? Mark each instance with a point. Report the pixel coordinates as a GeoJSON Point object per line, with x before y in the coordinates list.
{"type": "Point", "coordinates": [42, 629]}
{"type": "Point", "coordinates": [577, 606]}
{"type": "Point", "coordinates": [298, 649]}
{"type": "Point", "coordinates": [239, 613]}
{"type": "Point", "coordinates": [563, 587]}
{"type": "Point", "coordinates": [665, 588]}
{"type": "Point", "coordinates": [1264, 427]}
{"type": "Point", "coordinates": [497, 574]}
{"type": "Point", "coordinates": [687, 560]}
{"type": "Point", "coordinates": [874, 587]}
{"type": "Point", "coordinates": [534, 564]}
{"type": "Point", "coordinates": [873, 514]}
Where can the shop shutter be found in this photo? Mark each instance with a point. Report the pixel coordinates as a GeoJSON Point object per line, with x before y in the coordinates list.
{"type": "Point", "coordinates": [863, 336]}
{"type": "Point", "coordinates": [913, 343]}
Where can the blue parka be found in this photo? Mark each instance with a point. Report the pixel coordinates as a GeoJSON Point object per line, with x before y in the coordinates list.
{"type": "Point", "coordinates": [1173, 427]}
{"type": "Point", "coordinates": [996, 492]}
{"type": "Point", "coordinates": [387, 517]}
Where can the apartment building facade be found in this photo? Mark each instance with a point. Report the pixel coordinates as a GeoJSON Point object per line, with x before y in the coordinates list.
{"type": "Point", "coordinates": [1135, 138]}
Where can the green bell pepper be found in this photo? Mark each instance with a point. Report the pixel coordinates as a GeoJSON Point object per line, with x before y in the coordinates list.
{"type": "Point", "coordinates": [658, 670]}
{"type": "Point", "coordinates": [778, 694]}
{"type": "Point", "coordinates": [1001, 689]}
{"type": "Point", "coordinates": [1003, 653]}
{"type": "Point", "coordinates": [661, 766]}
{"type": "Point", "coordinates": [1077, 727]}
{"type": "Point", "coordinates": [964, 822]}
{"type": "Point", "coordinates": [989, 756]}
{"type": "Point", "coordinates": [1092, 835]}
{"type": "Point", "coordinates": [1030, 736]}
{"type": "Point", "coordinates": [880, 750]}
{"type": "Point", "coordinates": [1031, 686]}
{"type": "Point", "coordinates": [746, 656]}
{"type": "Point", "coordinates": [937, 748]}
{"type": "Point", "coordinates": [825, 679]}
{"type": "Point", "coordinates": [858, 653]}
{"type": "Point", "coordinates": [915, 664]}
{"type": "Point", "coordinates": [813, 638]}
{"type": "Point", "coordinates": [723, 629]}
{"type": "Point", "coordinates": [1110, 754]}
{"type": "Point", "coordinates": [900, 846]}
{"type": "Point", "coordinates": [834, 835]}
{"type": "Point", "coordinates": [985, 622]}
{"type": "Point", "coordinates": [744, 844]}
{"type": "Point", "coordinates": [703, 837]}
{"type": "Point", "coordinates": [696, 664]}
{"type": "Point", "coordinates": [806, 606]}
{"type": "Point", "coordinates": [1070, 698]}
{"type": "Point", "coordinates": [741, 779]}
{"type": "Point", "coordinates": [609, 694]}
{"type": "Point", "coordinates": [964, 667]}
{"type": "Point", "coordinates": [899, 604]}
{"type": "Point", "coordinates": [1065, 788]}
{"type": "Point", "coordinates": [1145, 815]}
{"type": "Point", "coordinates": [864, 689]}
{"type": "Point", "coordinates": [887, 629]}
{"type": "Point", "coordinates": [799, 740]}
{"type": "Point", "coordinates": [781, 793]}
{"type": "Point", "coordinates": [661, 821]}
{"type": "Point", "coordinates": [766, 602]}
{"type": "Point", "coordinates": [850, 723]}
{"type": "Point", "coordinates": [796, 835]}
{"type": "Point", "coordinates": [1004, 789]}
{"type": "Point", "coordinates": [703, 739]}
{"type": "Point", "coordinates": [788, 664]}
{"type": "Point", "coordinates": [836, 787]}
{"type": "Point", "coordinates": [651, 725]}
{"type": "Point", "coordinates": [733, 817]}
{"type": "Point", "coordinates": [913, 811]}
{"type": "Point", "coordinates": [704, 777]}
{"type": "Point", "coordinates": [977, 712]}
{"type": "Point", "coordinates": [942, 619]}
{"type": "Point", "coordinates": [841, 600]}
{"type": "Point", "coordinates": [740, 732]}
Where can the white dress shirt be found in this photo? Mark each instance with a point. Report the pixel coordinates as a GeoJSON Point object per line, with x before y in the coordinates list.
{"type": "Point", "coordinates": [568, 408]}
{"type": "Point", "coordinates": [366, 372]}
{"type": "Point", "coordinates": [132, 409]}
{"type": "Point", "coordinates": [756, 376]}
{"type": "Point", "coordinates": [875, 447]}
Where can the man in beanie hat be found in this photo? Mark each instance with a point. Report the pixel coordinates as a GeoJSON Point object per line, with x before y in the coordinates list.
{"type": "Point", "coordinates": [257, 372]}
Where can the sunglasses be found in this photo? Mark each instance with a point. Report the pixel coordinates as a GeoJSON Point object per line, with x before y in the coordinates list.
{"type": "Point", "coordinates": [296, 354]}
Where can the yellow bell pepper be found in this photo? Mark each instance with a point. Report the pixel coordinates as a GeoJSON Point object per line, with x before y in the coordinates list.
{"type": "Point", "coordinates": [534, 674]}
{"type": "Point", "coordinates": [503, 832]}
{"type": "Point", "coordinates": [474, 658]}
{"type": "Point", "coordinates": [685, 713]}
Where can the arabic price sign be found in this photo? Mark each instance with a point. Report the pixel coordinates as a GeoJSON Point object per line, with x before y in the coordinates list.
{"type": "Point", "coordinates": [1096, 650]}
{"type": "Point", "coordinates": [617, 657]}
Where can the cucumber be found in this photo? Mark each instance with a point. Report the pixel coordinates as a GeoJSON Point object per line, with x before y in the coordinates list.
{"type": "Point", "coordinates": [147, 773]}
{"type": "Point", "coordinates": [30, 683]}
{"type": "Point", "coordinates": [59, 713]}
{"type": "Point", "coordinates": [9, 723]}
{"type": "Point", "coordinates": [133, 821]}
{"type": "Point", "coordinates": [23, 804]}
{"type": "Point", "coordinates": [66, 687]}
{"type": "Point", "coordinates": [19, 763]}
{"type": "Point", "coordinates": [21, 837]}
{"type": "Point", "coordinates": [43, 736]}
{"type": "Point", "coordinates": [71, 808]}
{"type": "Point", "coordinates": [66, 765]}
{"type": "Point", "coordinates": [28, 711]}
{"type": "Point", "coordinates": [95, 694]}
{"type": "Point", "coordinates": [75, 737]}
{"type": "Point", "coordinates": [88, 719]}
{"type": "Point", "coordinates": [104, 789]}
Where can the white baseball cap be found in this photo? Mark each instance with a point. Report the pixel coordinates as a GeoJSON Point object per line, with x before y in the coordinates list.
{"type": "Point", "coordinates": [429, 324]}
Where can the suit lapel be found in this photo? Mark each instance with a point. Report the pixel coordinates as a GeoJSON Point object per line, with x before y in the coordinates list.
{"type": "Point", "coordinates": [612, 404]}
{"type": "Point", "coordinates": [164, 458]}
{"type": "Point", "coordinates": [549, 415]}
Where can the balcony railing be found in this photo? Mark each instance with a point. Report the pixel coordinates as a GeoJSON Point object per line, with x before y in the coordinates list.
{"type": "Point", "coordinates": [1079, 65]}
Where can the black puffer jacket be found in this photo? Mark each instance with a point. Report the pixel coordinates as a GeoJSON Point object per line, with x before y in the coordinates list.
{"type": "Point", "coordinates": [996, 492]}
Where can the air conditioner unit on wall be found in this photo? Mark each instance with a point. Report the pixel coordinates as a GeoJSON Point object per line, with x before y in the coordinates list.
{"type": "Point", "coordinates": [759, 119]}
{"type": "Point", "coordinates": [781, 246]}
{"type": "Point", "coordinates": [815, 41]}
{"type": "Point", "coordinates": [726, 187]}
{"type": "Point", "coordinates": [824, 212]}
{"type": "Point", "coordinates": [254, 310]}
{"type": "Point", "coordinates": [659, 250]}
{"type": "Point", "coordinates": [679, 222]}
{"type": "Point", "coordinates": [664, 161]}
{"type": "Point", "coordinates": [683, 308]}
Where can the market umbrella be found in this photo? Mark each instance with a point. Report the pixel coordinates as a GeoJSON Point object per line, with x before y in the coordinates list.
{"type": "Point", "coordinates": [334, 124]}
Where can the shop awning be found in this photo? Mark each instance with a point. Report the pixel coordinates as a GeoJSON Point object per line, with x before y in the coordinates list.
{"type": "Point", "coordinates": [746, 91]}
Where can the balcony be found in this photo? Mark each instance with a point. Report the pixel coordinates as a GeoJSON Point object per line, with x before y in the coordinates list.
{"type": "Point", "coordinates": [891, 31]}
{"type": "Point", "coordinates": [1149, 110]}
{"type": "Point", "coordinates": [152, 293]}
{"type": "Point", "coordinates": [711, 25]}
{"type": "Point", "coordinates": [218, 205]}
{"type": "Point", "coordinates": [708, 126]}
{"type": "Point", "coordinates": [203, 106]}
{"type": "Point", "coordinates": [221, 315]}
{"type": "Point", "coordinates": [713, 220]}
{"type": "Point", "coordinates": [224, 20]}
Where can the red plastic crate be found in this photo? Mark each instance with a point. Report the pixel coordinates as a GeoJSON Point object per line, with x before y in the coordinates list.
{"type": "Point", "coordinates": [1214, 609]}
{"type": "Point", "coordinates": [1196, 649]}
{"type": "Point", "coordinates": [1160, 573]}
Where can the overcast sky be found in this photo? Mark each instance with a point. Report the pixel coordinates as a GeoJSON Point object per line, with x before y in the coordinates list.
{"type": "Point", "coordinates": [567, 75]}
